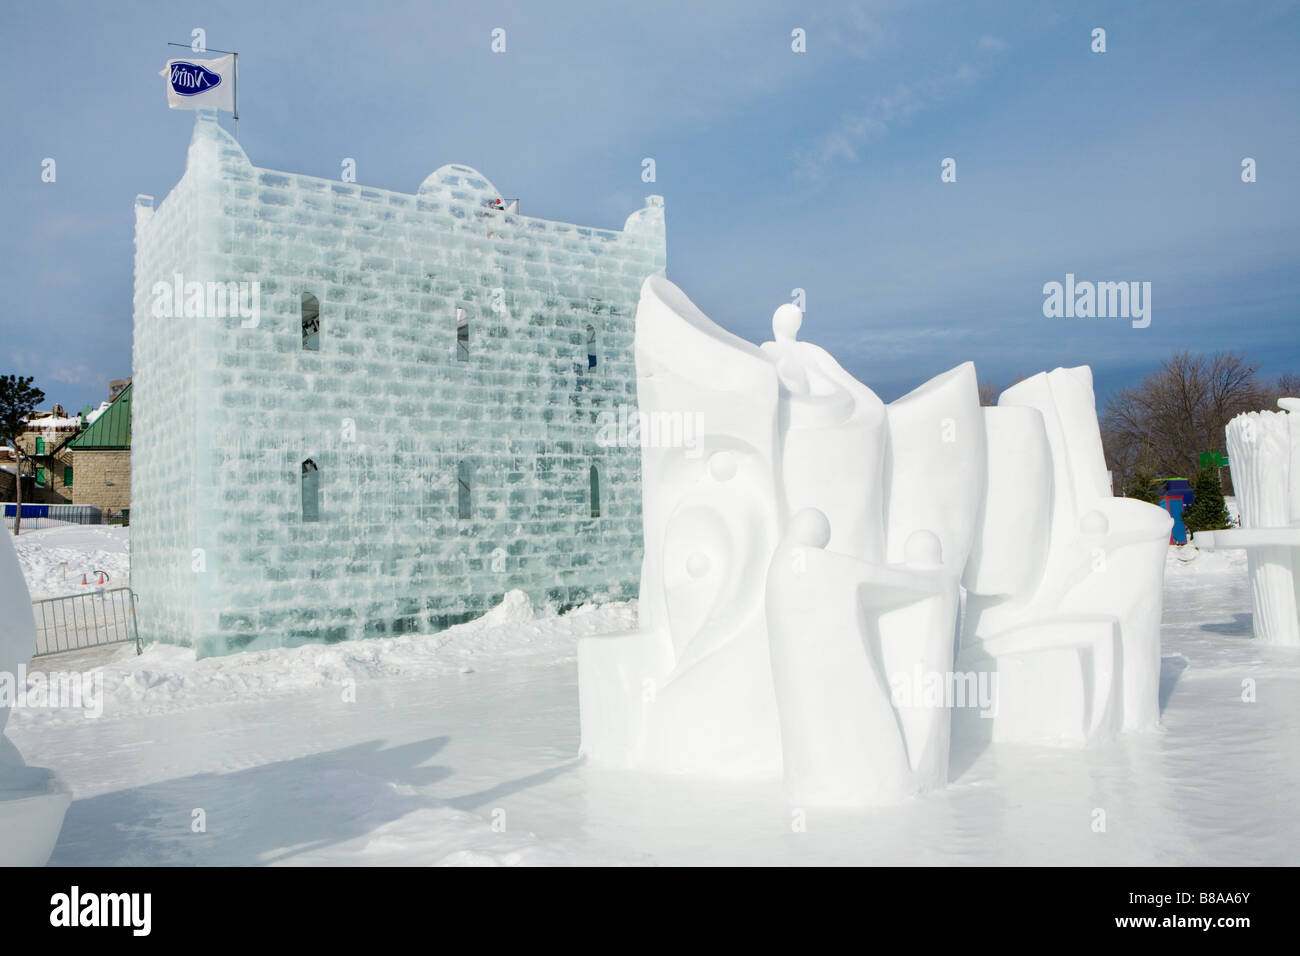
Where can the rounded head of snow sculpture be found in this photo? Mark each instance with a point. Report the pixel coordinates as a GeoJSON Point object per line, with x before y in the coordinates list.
{"type": "Point", "coordinates": [810, 529]}
{"type": "Point", "coordinates": [1094, 522]}
{"type": "Point", "coordinates": [923, 549]}
{"type": "Point", "coordinates": [786, 322]}
{"type": "Point", "coordinates": [723, 465]}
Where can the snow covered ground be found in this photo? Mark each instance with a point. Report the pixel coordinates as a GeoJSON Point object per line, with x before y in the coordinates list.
{"type": "Point", "coordinates": [460, 748]}
{"type": "Point", "coordinates": [55, 559]}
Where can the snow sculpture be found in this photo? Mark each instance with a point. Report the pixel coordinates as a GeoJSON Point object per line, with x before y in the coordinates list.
{"type": "Point", "coordinates": [1064, 582]}
{"type": "Point", "coordinates": [1264, 459]}
{"type": "Point", "coordinates": [33, 800]}
{"type": "Point", "coordinates": [802, 558]}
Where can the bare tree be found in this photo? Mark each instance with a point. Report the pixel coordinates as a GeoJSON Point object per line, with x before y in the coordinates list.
{"type": "Point", "coordinates": [1162, 425]}
{"type": "Point", "coordinates": [989, 391]}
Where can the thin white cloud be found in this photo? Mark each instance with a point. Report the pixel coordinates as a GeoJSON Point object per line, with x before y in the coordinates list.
{"type": "Point", "coordinates": [858, 30]}
{"type": "Point", "coordinates": [856, 130]}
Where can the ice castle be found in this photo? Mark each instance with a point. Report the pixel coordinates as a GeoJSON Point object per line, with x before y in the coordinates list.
{"type": "Point", "coordinates": [361, 412]}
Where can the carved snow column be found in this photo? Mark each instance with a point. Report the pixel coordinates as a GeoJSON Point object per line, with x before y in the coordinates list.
{"type": "Point", "coordinates": [1264, 457]}
{"type": "Point", "coordinates": [691, 690]}
{"type": "Point", "coordinates": [859, 625]}
{"type": "Point", "coordinates": [844, 633]}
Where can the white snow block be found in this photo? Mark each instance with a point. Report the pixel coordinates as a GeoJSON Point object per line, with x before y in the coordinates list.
{"type": "Point", "coordinates": [934, 473]}
{"type": "Point", "coordinates": [1065, 581]}
{"type": "Point", "coordinates": [1015, 524]}
{"type": "Point", "coordinates": [1264, 458]}
{"type": "Point", "coordinates": [1053, 682]}
{"type": "Point", "coordinates": [33, 801]}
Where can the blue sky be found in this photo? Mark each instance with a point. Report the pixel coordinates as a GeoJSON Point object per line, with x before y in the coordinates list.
{"type": "Point", "coordinates": [818, 171]}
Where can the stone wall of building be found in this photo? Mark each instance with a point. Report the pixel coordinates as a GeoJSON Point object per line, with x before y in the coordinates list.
{"type": "Point", "coordinates": [101, 477]}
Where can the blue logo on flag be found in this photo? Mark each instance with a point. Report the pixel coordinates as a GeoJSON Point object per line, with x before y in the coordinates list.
{"type": "Point", "coordinates": [190, 79]}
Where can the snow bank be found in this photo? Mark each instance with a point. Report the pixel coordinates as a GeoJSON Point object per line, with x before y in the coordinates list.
{"type": "Point", "coordinates": [167, 678]}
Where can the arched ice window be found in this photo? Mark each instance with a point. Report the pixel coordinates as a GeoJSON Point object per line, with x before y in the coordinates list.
{"type": "Point", "coordinates": [310, 491]}
{"type": "Point", "coordinates": [593, 479]}
{"type": "Point", "coordinates": [462, 336]}
{"type": "Point", "coordinates": [462, 490]}
{"type": "Point", "coordinates": [591, 346]}
{"type": "Point", "coordinates": [310, 323]}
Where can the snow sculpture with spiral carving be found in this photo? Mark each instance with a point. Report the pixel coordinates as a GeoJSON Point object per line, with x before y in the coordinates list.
{"type": "Point", "coordinates": [803, 562]}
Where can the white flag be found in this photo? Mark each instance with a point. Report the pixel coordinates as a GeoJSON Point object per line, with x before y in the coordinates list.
{"type": "Point", "coordinates": [201, 84]}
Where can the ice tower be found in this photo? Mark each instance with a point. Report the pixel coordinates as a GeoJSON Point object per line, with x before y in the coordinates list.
{"type": "Point", "coordinates": [361, 412]}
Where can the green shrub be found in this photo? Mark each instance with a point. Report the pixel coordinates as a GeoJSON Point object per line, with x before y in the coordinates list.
{"type": "Point", "coordinates": [1208, 512]}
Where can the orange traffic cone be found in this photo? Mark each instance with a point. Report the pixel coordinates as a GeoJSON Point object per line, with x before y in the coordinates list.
{"type": "Point", "coordinates": [83, 578]}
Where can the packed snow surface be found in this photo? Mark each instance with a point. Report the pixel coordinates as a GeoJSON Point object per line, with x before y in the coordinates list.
{"type": "Point", "coordinates": [460, 748]}
{"type": "Point", "coordinates": [55, 560]}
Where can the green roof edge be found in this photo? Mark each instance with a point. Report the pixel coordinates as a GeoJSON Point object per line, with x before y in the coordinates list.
{"type": "Point", "coordinates": [111, 430]}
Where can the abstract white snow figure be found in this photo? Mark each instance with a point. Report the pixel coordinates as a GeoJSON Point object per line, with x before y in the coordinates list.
{"type": "Point", "coordinates": [1064, 584]}
{"type": "Point", "coordinates": [1264, 459]}
{"type": "Point", "coordinates": [801, 557]}
{"type": "Point", "coordinates": [33, 800]}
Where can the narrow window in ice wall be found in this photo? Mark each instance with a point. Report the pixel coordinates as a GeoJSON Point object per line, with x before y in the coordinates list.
{"type": "Point", "coordinates": [462, 490]}
{"type": "Point", "coordinates": [462, 336]}
{"type": "Point", "coordinates": [591, 346]}
{"type": "Point", "coordinates": [310, 491]}
{"type": "Point", "coordinates": [594, 479]}
{"type": "Point", "coordinates": [310, 322]}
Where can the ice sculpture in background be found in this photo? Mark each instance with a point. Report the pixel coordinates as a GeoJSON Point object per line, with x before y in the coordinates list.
{"type": "Point", "coordinates": [33, 800]}
{"type": "Point", "coordinates": [1264, 459]}
{"type": "Point", "coordinates": [802, 557]}
{"type": "Point", "coordinates": [1064, 582]}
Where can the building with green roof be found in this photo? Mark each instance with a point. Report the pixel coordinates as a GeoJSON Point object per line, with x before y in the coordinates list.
{"type": "Point", "coordinates": [93, 467]}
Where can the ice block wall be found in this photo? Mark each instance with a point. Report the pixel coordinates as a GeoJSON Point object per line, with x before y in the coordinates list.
{"type": "Point", "coordinates": [164, 473]}
{"type": "Point", "coordinates": [448, 406]}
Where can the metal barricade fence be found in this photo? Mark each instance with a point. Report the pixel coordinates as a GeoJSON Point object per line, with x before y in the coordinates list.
{"type": "Point", "coordinates": [92, 619]}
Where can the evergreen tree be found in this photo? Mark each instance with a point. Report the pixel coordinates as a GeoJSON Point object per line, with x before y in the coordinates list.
{"type": "Point", "coordinates": [1140, 487]}
{"type": "Point", "coordinates": [18, 398]}
{"type": "Point", "coordinates": [1207, 511]}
